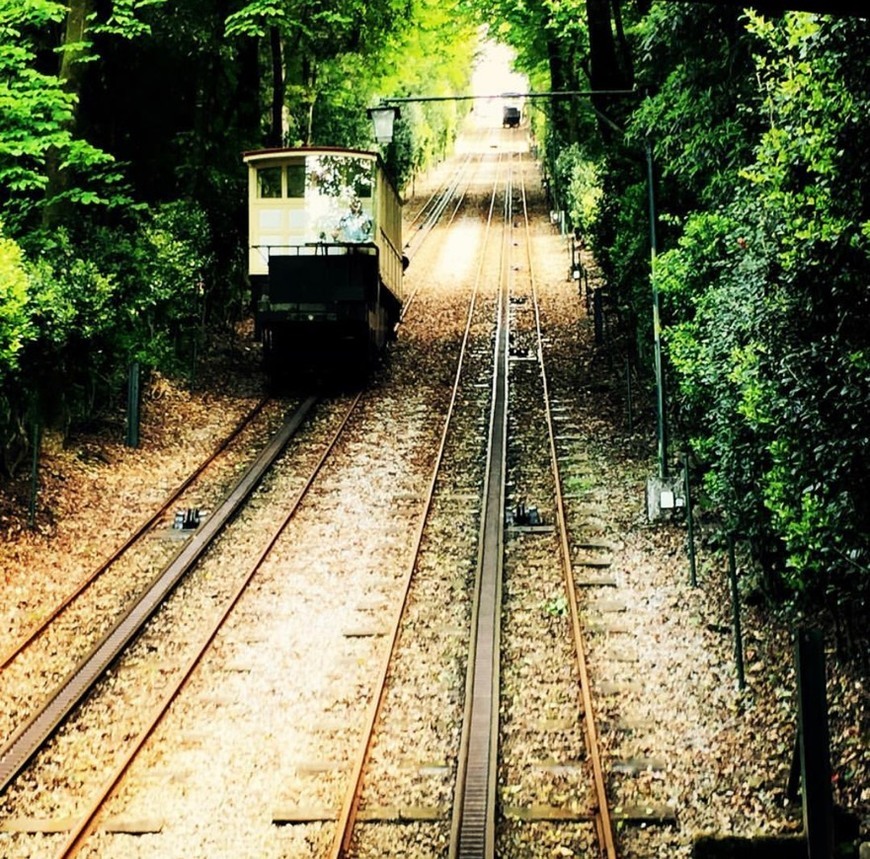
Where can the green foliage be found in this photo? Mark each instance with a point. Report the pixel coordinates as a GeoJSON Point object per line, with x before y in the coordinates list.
{"type": "Point", "coordinates": [158, 102]}
{"type": "Point", "coordinates": [759, 131]}
{"type": "Point", "coordinates": [163, 266]}
{"type": "Point", "coordinates": [72, 318]}
{"type": "Point", "coordinates": [37, 114]}
{"type": "Point", "coordinates": [314, 35]}
{"type": "Point", "coordinates": [556, 606]}
{"type": "Point", "coordinates": [579, 175]}
{"type": "Point", "coordinates": [60, 314]}
{"type": "Point", "coordinates": [14, 323]}
{"type": "Point", "coordinates": [320, 29]}
{"type": "Point", "coordinates": [769, 314]}
{"type": "Point", "coordinates": [125, 20]}
{"type": "Point", "coordinates": [255, 19]}
{"type": "Point", "coordinates": [426, 53]}
{"type": "Point", "coordinates": [699, 113]}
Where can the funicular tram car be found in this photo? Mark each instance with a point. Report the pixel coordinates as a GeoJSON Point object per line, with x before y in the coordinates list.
{"type": "Point", "coordinates": [511, 116]}
{"type": "Point", "coordinates": [324, 257]}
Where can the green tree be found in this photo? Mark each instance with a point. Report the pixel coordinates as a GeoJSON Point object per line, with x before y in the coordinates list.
{"type": "Point", "coordinates": [769, 311]}
{"type": "Point", "coordinates": [36, 121]}
{"type": "Point", "coordinates": [301, 36]}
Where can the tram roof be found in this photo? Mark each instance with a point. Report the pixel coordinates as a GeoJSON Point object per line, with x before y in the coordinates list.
{"type": "Point", "coordinates": [295, 151]}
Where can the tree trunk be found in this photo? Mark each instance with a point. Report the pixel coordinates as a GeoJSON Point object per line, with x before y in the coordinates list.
{"type": "Point", "coordinates": [70, 74]}
{"type": "Point", "coordinates": [559, 80]}
{"type": "Point", "coordinates": [605, 71]}
{"type": "Point", "coordinates": [276, 128]}
{"type": "Point", "coordinates": [624, 46]}
{"type": "Point", "coordinates": [246, 102]}
{"type": "Point", "coordinates": [301, 71]}
{"type": "Point", "coordinates": [309, 96]}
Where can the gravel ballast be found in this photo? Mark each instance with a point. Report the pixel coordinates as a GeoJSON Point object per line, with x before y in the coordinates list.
{"type": "Point", "coordinates": [676, 729]}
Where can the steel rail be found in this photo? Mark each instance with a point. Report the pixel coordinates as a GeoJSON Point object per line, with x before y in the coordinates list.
{"type": "Point", "coordinates": [87, 823]}
{"type": "Point", "coordinates": [473, 828]}
{"type": "Point", "coordinates": [39, 628]}
{"type": "Point", "coordinates": [438, 195]}
{"type": "Point", "coordinates": [29, 738]}
{"type": "Point", "coordinates": [449, 194]}
{"type": "Point", "coordinates": [604, 823]}
{"type": "Point", "coordinates": [436, 200]}
{"type": "Point", "coordinates": [441, 200]}
{"type": "Point", "coordinates": [350, 807]}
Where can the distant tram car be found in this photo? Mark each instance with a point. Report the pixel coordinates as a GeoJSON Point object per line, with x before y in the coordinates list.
{"type": "Point", "coordinates": [324, 257]}
{"type": "Point", "coordinates": [511, 116]}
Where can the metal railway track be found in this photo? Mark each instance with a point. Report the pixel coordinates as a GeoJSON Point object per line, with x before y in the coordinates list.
{"type": "Point", "coordinates": [348, 815]}
{"type": "Point", "coordinates": [435, 207]}
{"type": "Point", "coordinates": [474, 823]}
{"type": "Point", "coordinates": [437, 204]}
{"type": "Point", "coordinates": [603, 821]}
{"type": "Point", "coordinates": [86, 825]}
{"type": "Point", "coordinates": [429, 214]}
{"type": "Point", "coordinates": [473, 831]}
{"type": "Point", "coordinates": [35, 631]}
{"type": "Point", "coordinates": [29, 738]}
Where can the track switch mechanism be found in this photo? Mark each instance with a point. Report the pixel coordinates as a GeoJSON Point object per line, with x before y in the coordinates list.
{"type": "Point", "coordinates": [187, 520]}
{"type": "Point", "coordinates": [524, 515]}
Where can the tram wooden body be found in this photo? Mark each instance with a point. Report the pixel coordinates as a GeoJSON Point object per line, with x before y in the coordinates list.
{"type": "Point", "coordinates": [324, 256]}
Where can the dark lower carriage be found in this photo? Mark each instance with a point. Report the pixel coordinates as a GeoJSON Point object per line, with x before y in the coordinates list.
{"type": "Point", "coordinates": [326, 310]}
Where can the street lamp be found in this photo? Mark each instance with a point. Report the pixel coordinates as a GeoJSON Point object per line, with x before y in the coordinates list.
{"type": "Point", "coordinates": [383, 118]}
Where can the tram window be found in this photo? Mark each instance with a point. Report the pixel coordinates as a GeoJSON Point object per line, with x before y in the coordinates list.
{"type": "Point", "coordinates": [296, 179]}
{"type": "Point", "coordinates": [363, 187]}
{"type": "Point", "coordinates": [269, 182]}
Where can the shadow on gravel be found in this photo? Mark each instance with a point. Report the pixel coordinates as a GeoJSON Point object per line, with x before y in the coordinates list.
{"type": "Point", "coordinates": [711, 847]}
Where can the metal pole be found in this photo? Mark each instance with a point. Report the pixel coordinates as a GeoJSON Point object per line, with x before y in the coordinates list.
{"type": "Point", "coordinates": [34, 474]}
{"type": "Point", "coordinates": [133, 404]}
{"type": "Point", "coordinates": [735, 610]}
{"type": "Point", "coordinates": [598, 316]}
{"type": "Point", "coordinates": [570, 93]}
{"type": "Point", "coordinates": [814, 744]}
{"type": "Point", "coordinates": [628, 403]}
{"type": "Point", "coordinates": [657, 328]}
{"type": "Point", "coordinates": [690, 533]}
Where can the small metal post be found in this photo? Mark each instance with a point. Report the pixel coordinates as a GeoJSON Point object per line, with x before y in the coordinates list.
{"type": "Point", "coordinates": [34, 474]}
{"type": "Point", "coordinates": [133, 379]}
{"type": "Point", "coordinates": [793, 787]}
{"type": "Point", "coordinates": [628, 402]}
{"type": "Point", "coordinates": [813, 737]}
{"type": "Point", "coordinates": [598, 316]}
{"type": "Point", "coordinates": [735, 609]}
{"type": "Point", "coordinates": [690, 525]}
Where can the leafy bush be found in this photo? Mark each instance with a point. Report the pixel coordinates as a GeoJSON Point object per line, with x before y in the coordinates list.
{"type": "Point", "coordinates": [579, 175]}
{"type": "Point", "coordinates": [14, 322]}
{"type": "Point", "coordinates": [769, 334]}
{"type": "Point", "coordinates": [36, 125]}
{"type": "Point", "coordinates": [759, 131]}
{"type": "Point", "coordinates": [75, 314]}
{"type": "Point", "coordinates": [165, 276]}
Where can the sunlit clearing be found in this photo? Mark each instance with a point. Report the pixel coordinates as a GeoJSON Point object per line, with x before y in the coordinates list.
{"type": "Point", "coordinates": [493, 77]}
